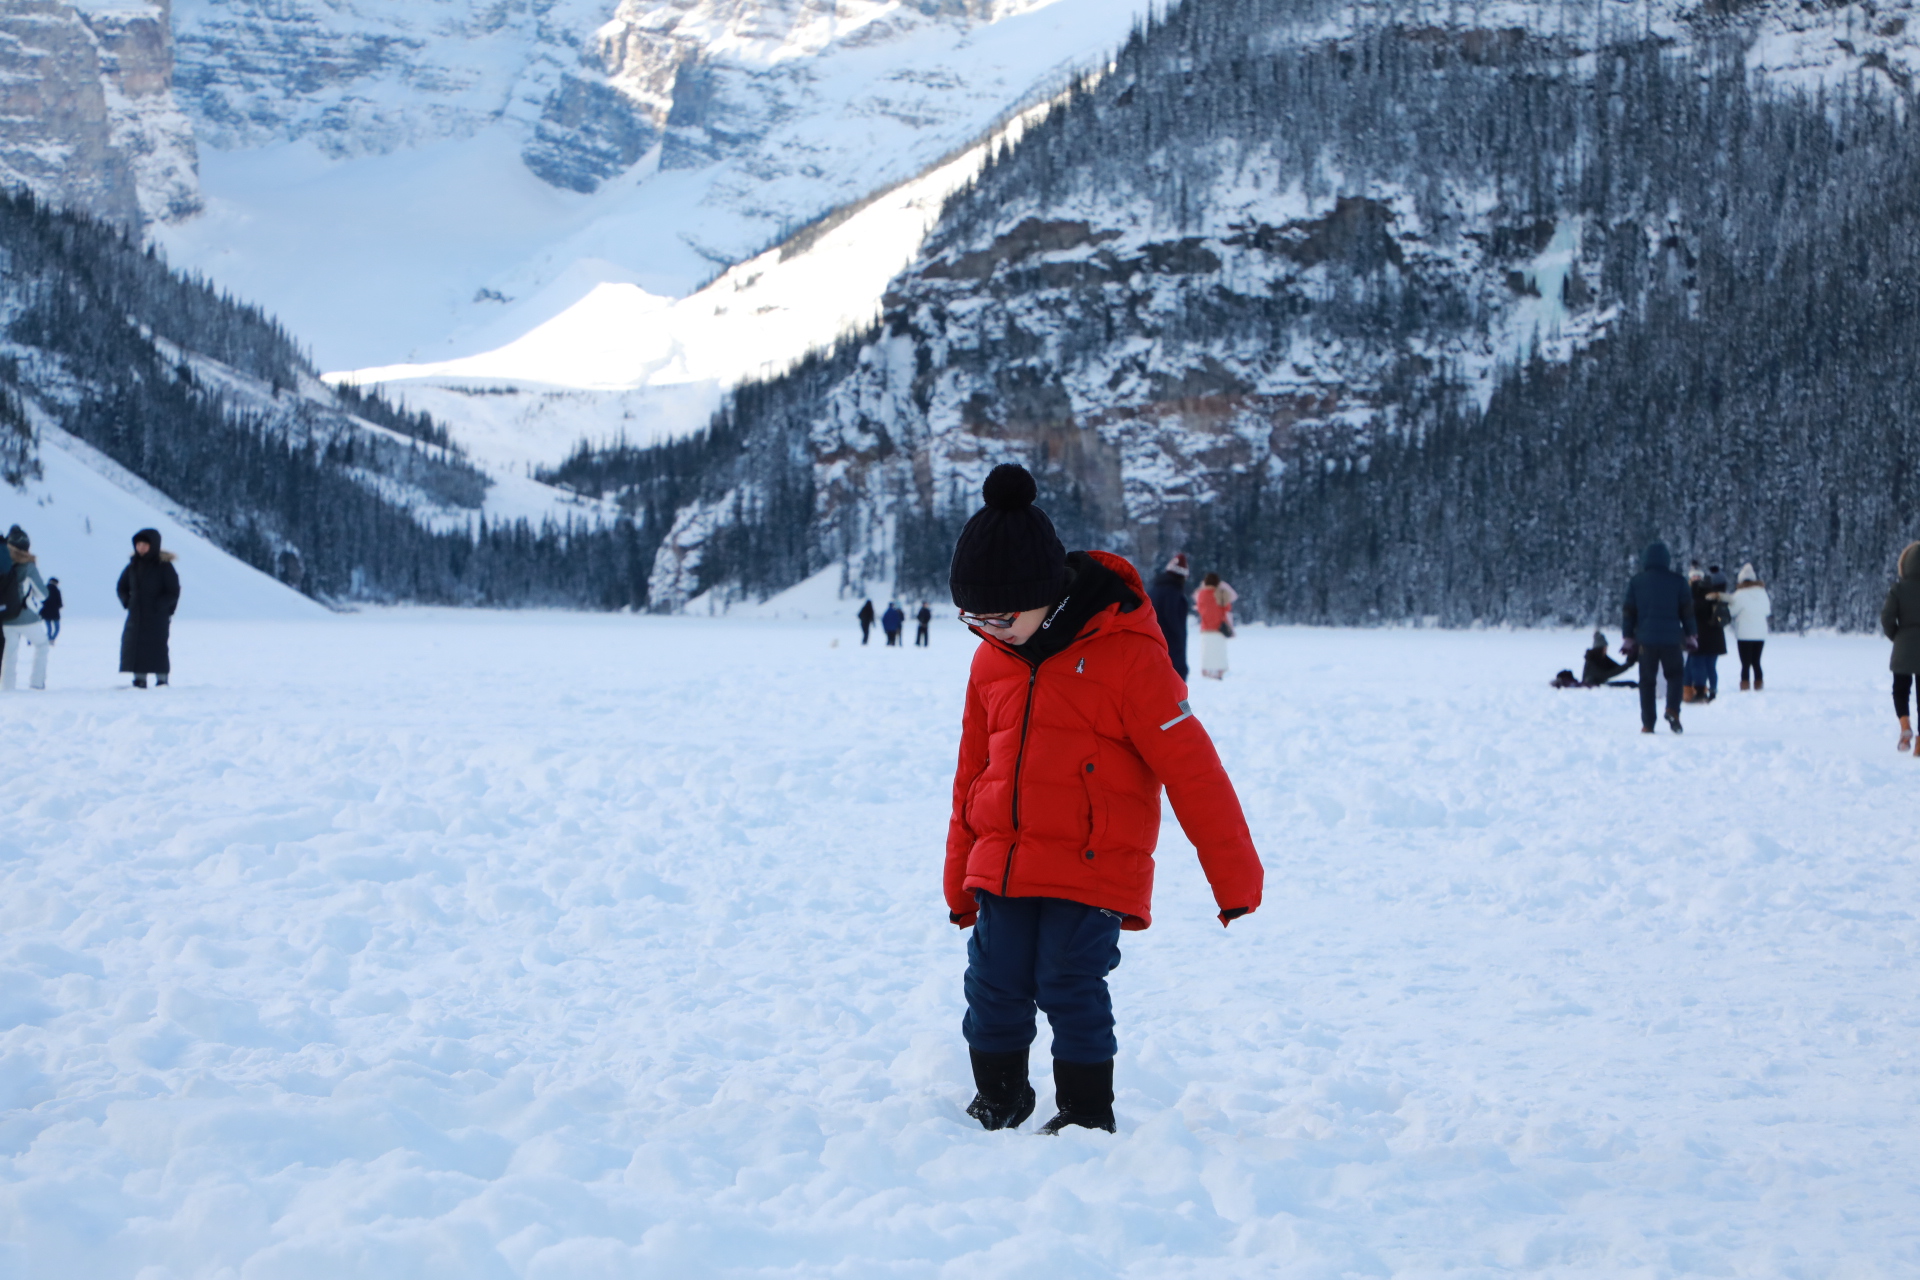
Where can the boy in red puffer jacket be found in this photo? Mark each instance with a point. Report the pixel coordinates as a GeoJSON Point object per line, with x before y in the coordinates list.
{"type": "Point", "coordinates": [1074, 721]}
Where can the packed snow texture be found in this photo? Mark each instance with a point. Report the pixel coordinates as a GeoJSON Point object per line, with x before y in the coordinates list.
{"type": "Point", "coordinates": [437, 945]}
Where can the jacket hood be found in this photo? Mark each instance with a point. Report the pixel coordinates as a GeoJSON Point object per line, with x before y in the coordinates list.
{"type": "Point", "coordinates": [1910, 561]}
{"type": "Point", "coordinates": [1657, 557]}
{"type": "Point", "coordinates": [151, 537]}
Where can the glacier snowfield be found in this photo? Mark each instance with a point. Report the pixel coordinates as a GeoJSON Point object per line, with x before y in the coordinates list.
{"type": "Point", "coordinates": [429, 944]}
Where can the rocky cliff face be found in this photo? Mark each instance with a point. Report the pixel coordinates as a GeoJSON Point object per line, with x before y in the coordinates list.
{"type": "Point", "coordinates": [88, 117]}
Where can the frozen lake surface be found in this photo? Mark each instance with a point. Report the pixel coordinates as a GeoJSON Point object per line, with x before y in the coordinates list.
{"type": "Point", "coordinates": [423, 944]}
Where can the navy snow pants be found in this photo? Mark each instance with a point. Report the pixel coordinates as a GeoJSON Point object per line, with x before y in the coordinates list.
{"type": "Point", "coordinates": [1045, 952]}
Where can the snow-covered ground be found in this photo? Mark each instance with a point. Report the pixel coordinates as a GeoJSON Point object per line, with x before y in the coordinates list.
{"type": "Point", "coordinates": [421, 944]}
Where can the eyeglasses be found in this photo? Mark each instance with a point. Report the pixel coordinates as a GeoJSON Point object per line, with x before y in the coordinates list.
{"type": "Point", "coordinates": [996, 621]}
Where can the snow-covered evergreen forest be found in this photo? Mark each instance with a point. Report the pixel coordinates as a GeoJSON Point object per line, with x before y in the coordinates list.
{"type": "Point", "coordinates": [1401, 322]}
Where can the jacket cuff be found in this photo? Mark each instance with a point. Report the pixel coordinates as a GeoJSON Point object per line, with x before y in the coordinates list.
{"type": "Point", "coordinates": [1230, 914]}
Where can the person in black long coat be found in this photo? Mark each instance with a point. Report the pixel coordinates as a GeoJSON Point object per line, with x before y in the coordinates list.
{"type": "Point", "coordinates": [1170, 605]}
{"type": "Point", "coordinates": [149, 591]}
{"type": "Point", "coordinates": [1657, 621]}
{"type": "Point", "coordinates": [866, 616]}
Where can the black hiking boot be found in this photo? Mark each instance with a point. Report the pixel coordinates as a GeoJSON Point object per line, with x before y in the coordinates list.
{"type": "Point", "coordinates": [160, 682]}
{"type": "Point", "coordinates": [1003, 1097]}
{"type": "Point", "coordinates": [1084, 1093]}
{"type": "Point", "coordinates": [1673, 721]}
{"type": "Point", "coordinates": [139, 682]}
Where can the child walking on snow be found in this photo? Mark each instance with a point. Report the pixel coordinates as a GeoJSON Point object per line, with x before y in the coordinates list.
{"type": "Point", "coordinates": [21, 624]}
{"type": "Point", "coordinates": [1074, 720]}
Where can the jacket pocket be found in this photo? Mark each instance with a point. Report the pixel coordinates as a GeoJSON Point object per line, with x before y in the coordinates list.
{"type": "Point", "coordinates": [1090, 782]}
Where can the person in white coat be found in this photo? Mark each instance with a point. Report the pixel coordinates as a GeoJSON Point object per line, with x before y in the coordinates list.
{"type": "Point", "coordinates": [1750, 607]}
{"type": "Point", "coordinates": [23, 629]}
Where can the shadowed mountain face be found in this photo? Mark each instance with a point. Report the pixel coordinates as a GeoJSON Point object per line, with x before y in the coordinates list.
{"type": "Point", "coordinates": [1409, 323]}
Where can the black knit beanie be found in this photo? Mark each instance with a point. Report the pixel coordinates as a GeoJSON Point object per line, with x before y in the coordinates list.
{"type": "Point", "coordinates": [1008, 558]}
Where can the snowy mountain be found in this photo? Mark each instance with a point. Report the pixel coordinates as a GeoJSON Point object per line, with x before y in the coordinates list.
{"type": "Point", "coordinates": [1343, 358]}
{"type": "Point", "coordinates": [413, 181]}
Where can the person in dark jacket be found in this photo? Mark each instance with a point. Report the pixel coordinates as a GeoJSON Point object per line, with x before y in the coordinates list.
{"type": "Point", "coordinates": [925, 619]}
{"type": "Point", "coordinates": [1703, 666]}
{"type": "Point", "coordinates": [866, 616]}
{"type": "Point", "coordinates": [149, 591]}
{"type": "Point", "coordinates": [50, 609]}
{"type": "Point", "coordinates": [893, 621]}
{"type": "Point", "coordinates": [1170, 605]}
{"type": "Point", "coordinates": [1900, 622]}
{"type": "Point", "coordinates": [1658, 625]}
{"type": "Point", "coordinates": [1600, 666]}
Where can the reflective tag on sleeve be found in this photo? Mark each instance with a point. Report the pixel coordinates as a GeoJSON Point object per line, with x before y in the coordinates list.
{"type": "Point", "coordinates": [1186, 713]}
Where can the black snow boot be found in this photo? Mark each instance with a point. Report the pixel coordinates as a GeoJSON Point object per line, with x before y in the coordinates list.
{"type": "Point", "coordinates": [1003, 1097]}
{"type": "Point", "coordinates": [1084, 1093]}
{"type": "Point", "coordinates": [139, 682]}
{"type": "Point", "coordinates": [1673, 721]}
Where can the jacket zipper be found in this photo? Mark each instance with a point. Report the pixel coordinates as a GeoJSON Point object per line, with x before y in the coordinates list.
{"type": "Point", "coordinates": [1026, 719]}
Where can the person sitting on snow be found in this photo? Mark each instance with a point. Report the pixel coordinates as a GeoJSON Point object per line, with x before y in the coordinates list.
{"type": "Point", "coordinates": [1074, 720]}
{"type": "Point", "coordinates": [1600, 668]}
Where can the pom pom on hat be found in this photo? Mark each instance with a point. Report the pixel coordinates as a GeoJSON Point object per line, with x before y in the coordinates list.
{"type": "Point", "coordinates": [1009, 488]}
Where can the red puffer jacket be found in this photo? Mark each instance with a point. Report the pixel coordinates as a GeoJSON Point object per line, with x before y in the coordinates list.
{"type": "Point", "coordinates": [1061, 763]}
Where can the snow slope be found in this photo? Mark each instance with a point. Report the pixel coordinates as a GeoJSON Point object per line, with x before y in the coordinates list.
{"type": "Point", "coordinates": [320, 965]}
{"type": "Point", "coordinates": [670, 362]}
{"type": "Point", "coordinates": [82, 514]}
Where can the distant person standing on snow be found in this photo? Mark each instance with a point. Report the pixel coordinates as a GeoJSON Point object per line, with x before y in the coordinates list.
{"type": "Point", "coordinates": [893, 621]}
{"type": "Point", "coordinates": [50, 609]}
{"type": "Point", "coordinates": [149, 591]}
{"type": "Point", "coordinates": [1900, 621]}
{"type": "Point", "coordinates": [1214, 601]}
{"type": "Point", "coordinates": [1169, 596]}
{"type": "Point", "coordinates": [18, 618]}
{"type": "Point", "coordinates": [1750, 608]}
{"type": "Point", "coordinates": [1703, 676]}
{"type": "Point", "coordinates": [925, 619]}
{"type": "Point", "coordinates": [1658, 625]}
{"type": "Point", "coordinates": [866, 620]}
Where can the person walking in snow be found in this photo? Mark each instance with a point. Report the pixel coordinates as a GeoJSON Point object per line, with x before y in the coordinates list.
{"type": "Point", "coordinates": [1214, 602]}
{"type": "Point", "coordinates": [1169, 596]}
{"type": "Point", "coordinates": [50, 609]}
{"type": "Point", "coordinates": [866, 616]}
{"type": "Point", "coordinates": [925, 619]}
{"type": "Point", "coordinates": [1074, 721]}
{"type": "Point", "coordinates": [893, 621]}
{"type": "Point", "coordinates": [1749, 608]}
{"type": "Point", "coordinates": [1900, 622]}
{"type": "Point", "coordinates": [149, 591]}
{"type": "Point", "coordinates": [19, 620]}
{"type": "Point", "coordinates": [1658, 625]}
